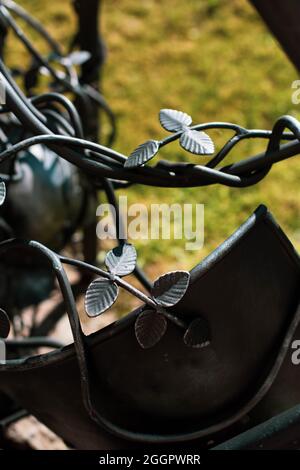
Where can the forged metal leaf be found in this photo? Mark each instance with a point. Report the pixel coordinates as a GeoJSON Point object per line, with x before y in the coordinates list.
{"type": "Point", "coordinates": [4, 324]}
{"type": "Point", "coordinates": [170, 288]}
{"type": "Point", "coordinates": [121, 260]}
{"type": "Point", "coordinates": [150, 326]}
{"type": "Point", "coordinates": [142, 154]}
{"type": "Point", "coordinates": [198, 334]}
{"type": "Point", "coordinates": [78, 57]}
{"type": "Point", "coordinates": [197, 142]}
{"type": "Point", "coordinates": [100, 296]}
{"type": "Point", "coordinates": [174, 121]}
{"type": "Point", "coordinates": [44, 71]}
{"type": "Point", "coordinates": [2, 192]}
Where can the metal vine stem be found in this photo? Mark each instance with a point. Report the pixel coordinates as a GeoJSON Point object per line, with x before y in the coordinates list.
{"type": "Point", "coordinates": [112, 170]}
{"type": "Point", "coordinates": [103, 162]}
{"type": "Point", "coordinates": [151, 324]}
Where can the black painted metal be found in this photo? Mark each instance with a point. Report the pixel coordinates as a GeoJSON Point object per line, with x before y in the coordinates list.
{"type": "Point", "coordinates": [181, 317]}
{"type": "Point", "coordinates": [280, 432]}
{"type": "Point", "coordinates": [283, 20]}
{"type": "Point", "coordinates": [266, 362]}
{"type": "Point", "coordinates": [88, 39]}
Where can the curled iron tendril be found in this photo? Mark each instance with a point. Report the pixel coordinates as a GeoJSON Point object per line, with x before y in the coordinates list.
{"type": "Point", "coordinates": [152, 320]}
{"type": "Point", "coordinates": [167, 291]}
{"type": "Point", "coordinates": [196, 141]}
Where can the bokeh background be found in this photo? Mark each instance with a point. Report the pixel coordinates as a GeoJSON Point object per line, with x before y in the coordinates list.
{"type": "Point", "coordinates": [213, 59]}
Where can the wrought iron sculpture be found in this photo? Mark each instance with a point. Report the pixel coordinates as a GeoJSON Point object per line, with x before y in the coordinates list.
{"type": "Point", "coordinates": [169, 359]}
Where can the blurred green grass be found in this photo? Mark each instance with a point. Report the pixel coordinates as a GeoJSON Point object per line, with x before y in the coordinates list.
{"type": "Point", "coordinates": [212, 59]}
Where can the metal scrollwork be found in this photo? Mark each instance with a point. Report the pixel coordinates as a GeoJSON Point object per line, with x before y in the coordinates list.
{"type": "Point", "coordinates": [167, 291]}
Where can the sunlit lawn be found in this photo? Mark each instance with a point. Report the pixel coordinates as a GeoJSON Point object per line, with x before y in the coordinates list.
{"type": "Point", "coordinates": [216, 61]}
